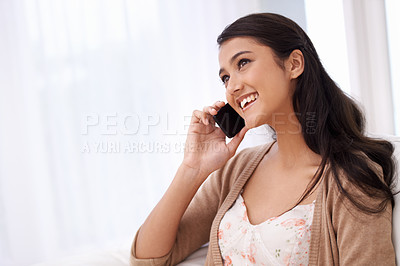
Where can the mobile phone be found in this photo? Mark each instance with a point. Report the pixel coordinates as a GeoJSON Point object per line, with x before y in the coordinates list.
{"type": "Point", "coordinates": [229, 120]}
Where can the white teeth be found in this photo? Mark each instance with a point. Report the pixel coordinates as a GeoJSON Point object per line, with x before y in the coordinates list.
{"type": "Point", "coordinates": [243, 103]}
{"type": "Point", "coordinates": [248, 99]}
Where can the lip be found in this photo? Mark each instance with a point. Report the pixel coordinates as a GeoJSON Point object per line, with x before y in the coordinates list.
{"type": "Point", "coordinates": [240, 99]}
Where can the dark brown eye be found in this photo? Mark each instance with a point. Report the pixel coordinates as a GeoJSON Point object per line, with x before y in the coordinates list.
{"type": "Point", "coordinates": [243, 62]}
{"type": "Point", "coordinates": [225, 79]}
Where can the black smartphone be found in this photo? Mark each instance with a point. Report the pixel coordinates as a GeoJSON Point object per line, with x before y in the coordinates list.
{"type": "Point", "coordinates": [229, 120]}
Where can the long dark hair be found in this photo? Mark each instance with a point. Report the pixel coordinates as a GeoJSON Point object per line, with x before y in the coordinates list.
{"type": "Point", "coordinates": [337, 132]}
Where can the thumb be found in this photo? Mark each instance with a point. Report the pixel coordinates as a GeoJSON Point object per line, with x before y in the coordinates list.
{"type": "Point", "coordinates": [236, 140]}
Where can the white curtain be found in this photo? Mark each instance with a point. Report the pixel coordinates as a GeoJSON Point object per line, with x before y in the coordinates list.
{"type": "Point", "coordinates": [95, 99]}
{"type": "Point", "coordinates": [353, 44]}
{"type": "Point", "coordinates": [369, 60]}
{"type": "Point", "coordinates": [392, 8]}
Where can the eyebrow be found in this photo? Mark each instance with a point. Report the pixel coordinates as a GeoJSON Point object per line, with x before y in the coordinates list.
{"type": "Point", "coordinates": [233, 59]}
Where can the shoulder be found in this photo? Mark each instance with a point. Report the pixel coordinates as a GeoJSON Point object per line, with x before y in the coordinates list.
{"type": "Point", "coordinates": [340, 205]}
{"type": "Point", "coordinates": [355, 231]}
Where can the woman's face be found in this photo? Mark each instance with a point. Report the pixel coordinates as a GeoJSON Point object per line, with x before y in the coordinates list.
{"type": "Point", "coordinates": [256, 86]}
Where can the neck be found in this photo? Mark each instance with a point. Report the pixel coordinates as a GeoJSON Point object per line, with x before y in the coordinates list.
{"type": "Point", "coordinates": [291, 150]}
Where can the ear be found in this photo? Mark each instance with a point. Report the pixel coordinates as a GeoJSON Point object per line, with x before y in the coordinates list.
{"type": "Point", "coordinates": [295, 64]}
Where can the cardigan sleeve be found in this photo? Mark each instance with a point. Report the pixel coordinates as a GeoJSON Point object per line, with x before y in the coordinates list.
{"type": "Point", "coordinates": [195, 225]}
{"type": "Point", "coordinates": [194, 228]}
{"type": "Point", "coordinates": [362, 239]}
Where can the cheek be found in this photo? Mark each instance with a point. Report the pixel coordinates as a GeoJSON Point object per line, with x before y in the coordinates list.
{"type": "Point", "coordinates": [230, 99]}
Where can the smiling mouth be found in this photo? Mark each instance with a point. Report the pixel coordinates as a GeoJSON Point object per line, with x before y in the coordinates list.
{"type": "Point", "coordinates": [249, 100]}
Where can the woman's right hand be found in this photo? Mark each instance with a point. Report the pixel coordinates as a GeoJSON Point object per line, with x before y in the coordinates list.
{"type": "Point", "coordinates": [206, 149]}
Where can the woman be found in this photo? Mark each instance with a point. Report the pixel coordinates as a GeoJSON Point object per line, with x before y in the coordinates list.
{"type": "Point", "coordinates": [320, 194]}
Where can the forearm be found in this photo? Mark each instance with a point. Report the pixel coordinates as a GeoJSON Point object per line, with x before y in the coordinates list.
{"type": "Point", "coordinates": [158, 233]}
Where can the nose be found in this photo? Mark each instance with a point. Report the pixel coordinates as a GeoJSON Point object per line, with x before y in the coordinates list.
{"type": "Point", "coordinates": [234, 85]}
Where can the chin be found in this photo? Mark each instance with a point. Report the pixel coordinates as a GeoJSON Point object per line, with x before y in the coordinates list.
{"type": "Point", "coordinates": [253, 122]}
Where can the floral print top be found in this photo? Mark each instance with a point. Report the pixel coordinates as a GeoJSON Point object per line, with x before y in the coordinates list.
{"type": "Point", "coordinates": [281, 240]}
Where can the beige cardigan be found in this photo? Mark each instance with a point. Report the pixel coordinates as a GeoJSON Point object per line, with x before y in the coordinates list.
{"type": "Point", "coordinates": [340, 234]}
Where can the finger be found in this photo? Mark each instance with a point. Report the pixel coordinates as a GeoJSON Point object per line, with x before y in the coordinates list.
{"type": "Point", "coordinates": [236, 140]}
{"type": "Point", "coordinates": [208, 112]}
{"type": "Point", "coordinates": [216, 107]}
{"type": "Point", "coordinates": [219, 103]}
{"type": "Point", "coordinates": [196, 117]}
{"type": "Point", "coordinates": [213, 109]}
{"type": "Point", "coordinates": [204, 116]}
{"type": "Point", "coordinates": [199, 116]}
{"type": "Point", "coordinates": [206, 109]}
